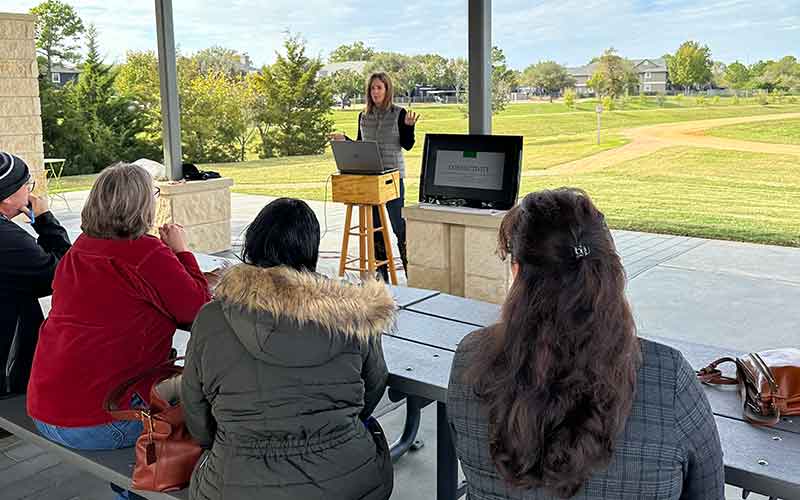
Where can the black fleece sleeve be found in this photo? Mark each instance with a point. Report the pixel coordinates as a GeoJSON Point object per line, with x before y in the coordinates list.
{"type": "Point", "coordinates": [29, 264]}
{"type": "Point", "coordinates": [406, 131]}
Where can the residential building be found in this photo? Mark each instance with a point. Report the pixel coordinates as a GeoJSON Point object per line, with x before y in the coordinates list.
{"type": "Point", "coordinates": [653, 76]}
{"type": "Point", "coordinates": [61, 75]}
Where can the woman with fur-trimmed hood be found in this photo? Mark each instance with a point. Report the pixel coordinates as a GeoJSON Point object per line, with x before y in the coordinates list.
{"type": "Point", "coordinates": [283, 370]}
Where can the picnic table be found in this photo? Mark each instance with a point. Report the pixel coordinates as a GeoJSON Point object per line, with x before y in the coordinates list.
{"type": "Point", "coordinates": [419, 354]}
{"type": "Point", "coordinates": [763, 460]}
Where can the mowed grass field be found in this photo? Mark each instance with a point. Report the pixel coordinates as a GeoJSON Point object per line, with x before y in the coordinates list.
{"type": "Point", "coordinates": [774, 131]}
{"type": "Point", "coordinates": [691, 191]}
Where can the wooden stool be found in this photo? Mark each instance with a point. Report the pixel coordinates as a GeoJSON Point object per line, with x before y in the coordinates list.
{"type": "Point", "coordinates": [366, 192]}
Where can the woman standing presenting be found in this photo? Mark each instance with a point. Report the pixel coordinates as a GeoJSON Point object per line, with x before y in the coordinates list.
{"type": "Point", "coordinates": [392, 127]}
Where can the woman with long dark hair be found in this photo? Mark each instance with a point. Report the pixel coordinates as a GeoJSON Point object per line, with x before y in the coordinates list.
{"type": "Point", "coordinates": [560, 398]}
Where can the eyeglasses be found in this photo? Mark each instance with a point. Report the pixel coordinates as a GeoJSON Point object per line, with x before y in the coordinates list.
{"type": "Point", "coordinates": [31, 184]}
{"type": "Point", "coordinates": [156, 192]}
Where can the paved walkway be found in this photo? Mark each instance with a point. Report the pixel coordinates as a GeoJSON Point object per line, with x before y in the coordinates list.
{"type": "Point", "coordinates": [651, 138]}
{"type": "Point", "coordinates": [739, 295]}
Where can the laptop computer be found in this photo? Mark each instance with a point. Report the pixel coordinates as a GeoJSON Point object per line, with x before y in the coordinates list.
{"type": "Point", "coordinates": [358, 157]}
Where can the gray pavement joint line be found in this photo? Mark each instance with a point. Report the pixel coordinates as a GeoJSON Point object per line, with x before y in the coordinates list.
{"type": "Point", "coordinates": [661, 252]}
{"type": "Point", "coordinates": [729, 272]}
{"type": "Point", "coordinates": [662, 261]}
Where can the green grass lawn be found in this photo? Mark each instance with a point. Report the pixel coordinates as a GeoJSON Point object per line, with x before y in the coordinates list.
{"type": "Point", "coordinates": [775, 131]}
{"type": "Point", "coordinates": [708, 193]}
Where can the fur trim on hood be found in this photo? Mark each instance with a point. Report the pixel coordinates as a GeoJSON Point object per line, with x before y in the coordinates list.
{"type": "Point", "coordinates": [359, 311]}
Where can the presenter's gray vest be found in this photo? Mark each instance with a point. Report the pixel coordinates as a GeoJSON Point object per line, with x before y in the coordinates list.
{"type": "Point", "coordinates": [381, 126]}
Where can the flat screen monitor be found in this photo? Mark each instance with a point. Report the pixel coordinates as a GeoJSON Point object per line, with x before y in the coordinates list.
{"type": "Point", "coordinates": [480, 171]}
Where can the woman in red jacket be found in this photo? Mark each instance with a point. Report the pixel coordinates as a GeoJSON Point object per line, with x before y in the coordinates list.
{"type": "Point", "coordinates": [118, 296]}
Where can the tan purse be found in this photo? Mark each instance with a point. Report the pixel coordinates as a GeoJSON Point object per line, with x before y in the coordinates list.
{"type": "Point", "coordinates": [769, 383]}
{"type": "Point", "coordinates": [165, 451]}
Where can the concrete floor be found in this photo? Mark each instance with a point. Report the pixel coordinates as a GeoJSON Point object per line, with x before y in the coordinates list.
{"type": "Point", "coordinates": [737, 295]}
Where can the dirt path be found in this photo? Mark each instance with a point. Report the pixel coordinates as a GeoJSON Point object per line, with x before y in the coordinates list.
{"type": "Point", "coordinates": [651, 138]}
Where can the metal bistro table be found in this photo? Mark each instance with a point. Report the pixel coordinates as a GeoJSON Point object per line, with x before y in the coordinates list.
{"type": "Point", "coordinates": [419, 354]}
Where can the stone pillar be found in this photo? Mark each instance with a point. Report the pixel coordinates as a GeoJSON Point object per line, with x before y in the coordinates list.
{"type": "Point", "coordinates": [203, 208]}
{"type": "Point", "coordinates": [20, 108]}
{"type": "Point", "coordinates": [455, 252]}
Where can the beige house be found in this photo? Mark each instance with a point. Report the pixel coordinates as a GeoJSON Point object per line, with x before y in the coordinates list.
{"type": "Point", "coordinates": [653, 76]}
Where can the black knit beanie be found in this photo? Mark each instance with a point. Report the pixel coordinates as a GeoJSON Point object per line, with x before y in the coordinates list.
{"type": "Point", "coordinates": [13, 174]}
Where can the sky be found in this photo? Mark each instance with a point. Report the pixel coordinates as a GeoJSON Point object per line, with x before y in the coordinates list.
{"type": "Point", "coordinates": [569, 32]}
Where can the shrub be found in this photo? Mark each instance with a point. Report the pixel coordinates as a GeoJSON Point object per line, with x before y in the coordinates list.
{"type": "Point", "coordinates": [608, 103]}
{"type": "Point", "coordinates": [569, 97]}
{"type": "Point", "coordinates": [716, 100]}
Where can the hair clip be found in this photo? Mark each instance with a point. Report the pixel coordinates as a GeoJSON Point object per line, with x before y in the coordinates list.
{"type": "Point", "coordinates": [581, 251]}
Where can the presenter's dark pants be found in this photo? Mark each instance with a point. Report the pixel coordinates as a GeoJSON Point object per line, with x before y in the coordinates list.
{"type": "Point", "coordinates": [394, 209]}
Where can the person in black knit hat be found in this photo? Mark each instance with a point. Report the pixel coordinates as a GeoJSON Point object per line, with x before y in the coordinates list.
{"type": "Point", "coordinates": [27, 266]}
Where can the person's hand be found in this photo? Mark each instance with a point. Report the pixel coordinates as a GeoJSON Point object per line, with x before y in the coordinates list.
{"type": "Point", "coordinates": [39, 204]}
{"type": "Point", "coordinates": [174, 236]}
{"type": "Point", "coordinates": [411, 118]}
{"type": "Point", "coordinates": [336, 136]}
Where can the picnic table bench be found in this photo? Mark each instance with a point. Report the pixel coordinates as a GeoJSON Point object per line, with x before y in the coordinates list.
{"type": "Point", "coordinates": [419, 354]}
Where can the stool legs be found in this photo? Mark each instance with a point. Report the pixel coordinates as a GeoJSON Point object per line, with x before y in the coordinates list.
{"type": "Point", "coordinates": [387, 243]}
{"type": "Point", "coordinates": [370, 241]}
{"type": "Point", "coordinates": [366, 242]}
{"type": "Point", "coordinates": [348, 217]}
{"type": "Point", "coordinates": [362, 239]}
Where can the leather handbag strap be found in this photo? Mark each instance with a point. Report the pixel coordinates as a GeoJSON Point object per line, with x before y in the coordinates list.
{"type": "Point", "coordinates": [111, 403]}
{"type": "Point", "coordinates": [713, 375]}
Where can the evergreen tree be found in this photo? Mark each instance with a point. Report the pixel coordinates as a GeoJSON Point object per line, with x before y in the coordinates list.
{"type": "Point", "coordinates": [293, 106]}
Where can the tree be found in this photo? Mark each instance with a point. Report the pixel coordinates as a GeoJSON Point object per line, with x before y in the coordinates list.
{"type": "Point", "coordinates": [57, 31]}
{"type": "Point", "coordinates": [292, 105]}
{"type": "Point", "coordinates": [757, 71]}
{"type": "Point", "coordinates": [345, 84]}
{"type": "Point", "coordinates": [406, 72]}
{"type": "Point", "coordinates": [215, 118]}
{"type": "Point", "coordinates": [783, 75]}
{"type": "Point", "coordinates": [691, 65]}
{"type": "Point", "coordinates": [226, 61]}
{"type": "Point", "coordinates": [434, 69]}
{"type": "Point", "coordinates": [737, 76]}
{"type": "Point", "coordinates": [718, 74]}
{"type": "Point", "coordinates": [356, 51]}
{"type": "Point", "coordinates": [613, 76]}
{"type": "Point", "coordinates": [503, 80]}
{"type": "Point", "coordinates": [457, 75]}
{"type": "Point", "coordinates": [88, 122]}
{"type": "Point", "coordinates": [549, 76]}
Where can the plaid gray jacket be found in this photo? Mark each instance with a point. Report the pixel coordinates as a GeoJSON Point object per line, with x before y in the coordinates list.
{"type": "Point", "coordinates": [669, 449]}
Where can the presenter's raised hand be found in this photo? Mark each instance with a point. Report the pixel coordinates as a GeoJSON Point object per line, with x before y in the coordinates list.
{"type": "Point", "coordinates": [411, 118]}
{"type": "Point", "coordinates": [336, 136]}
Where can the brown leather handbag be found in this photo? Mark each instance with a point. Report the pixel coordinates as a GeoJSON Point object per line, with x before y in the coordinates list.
{"type": "Point", "coordinates": [769, 383]}
{"type": "Point", "coordinates": [165, 451]}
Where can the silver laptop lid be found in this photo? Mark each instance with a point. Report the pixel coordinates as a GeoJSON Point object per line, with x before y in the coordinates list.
{"type": "Point", "coordinates": [357, 157]}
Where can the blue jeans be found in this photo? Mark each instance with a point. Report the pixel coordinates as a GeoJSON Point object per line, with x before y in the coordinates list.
{"type": "Point", "coordinates": [111, 436]}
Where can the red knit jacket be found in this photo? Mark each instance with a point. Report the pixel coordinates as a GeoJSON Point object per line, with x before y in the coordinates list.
{"type": "Point", "coordinates": [115, 308]}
